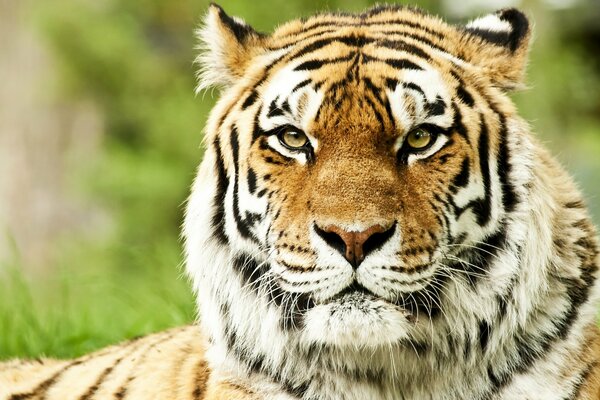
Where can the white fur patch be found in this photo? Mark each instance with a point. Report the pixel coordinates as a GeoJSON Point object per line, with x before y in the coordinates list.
{"type": "Point", "coordinates": [356, 321]}
{"type": "Point", "coordinates": [490, 22]}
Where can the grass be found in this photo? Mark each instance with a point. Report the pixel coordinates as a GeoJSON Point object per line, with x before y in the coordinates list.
{"type": "Point", "coordinates": [76, 310]}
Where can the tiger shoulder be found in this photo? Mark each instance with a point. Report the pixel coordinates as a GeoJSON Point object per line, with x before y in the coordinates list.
{"type": "Point", "coordinates": [371, 220]}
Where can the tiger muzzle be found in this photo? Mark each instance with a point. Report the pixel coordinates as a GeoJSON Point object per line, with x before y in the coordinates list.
{"type": "Point", "coordinates": [355, 245]}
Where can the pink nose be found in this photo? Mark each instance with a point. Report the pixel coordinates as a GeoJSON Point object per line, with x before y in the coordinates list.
{"type": "Point", "coordinates": [355, 246]}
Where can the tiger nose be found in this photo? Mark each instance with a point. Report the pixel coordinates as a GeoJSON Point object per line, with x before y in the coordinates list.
{"type": "Point", "coordinates": [355, 246]}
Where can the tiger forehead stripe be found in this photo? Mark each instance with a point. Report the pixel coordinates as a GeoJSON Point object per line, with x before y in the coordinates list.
{"type": "Point", "coordinates": [351, 20]}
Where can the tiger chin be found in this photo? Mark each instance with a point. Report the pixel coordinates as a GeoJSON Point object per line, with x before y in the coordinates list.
{"type": "Point", "coordinates": [371, 220]}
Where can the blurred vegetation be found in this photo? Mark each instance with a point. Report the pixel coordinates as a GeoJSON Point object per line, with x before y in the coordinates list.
{"type": "Point", "coordinates": [134, 60]}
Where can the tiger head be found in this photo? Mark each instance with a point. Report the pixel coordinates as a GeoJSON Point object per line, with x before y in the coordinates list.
{"type": "Point", "coordinates": [358, 176]}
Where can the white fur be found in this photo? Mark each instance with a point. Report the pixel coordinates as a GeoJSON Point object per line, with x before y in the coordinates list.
{"type": "Point", "coordinates": [490, 22]}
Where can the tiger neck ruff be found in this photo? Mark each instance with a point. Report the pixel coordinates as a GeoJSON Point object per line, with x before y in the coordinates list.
{"type": "Point", "coordinates": [372, 219]}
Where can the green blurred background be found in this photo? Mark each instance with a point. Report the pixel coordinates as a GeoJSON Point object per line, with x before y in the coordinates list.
{"type": "Point", "coordinates": [99, 139]}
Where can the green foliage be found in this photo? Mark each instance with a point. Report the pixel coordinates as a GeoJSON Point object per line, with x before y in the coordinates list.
{"type": "Point", "coordinates": [75, 311]}
{"type": "Point", "coordinates": [134, 61]}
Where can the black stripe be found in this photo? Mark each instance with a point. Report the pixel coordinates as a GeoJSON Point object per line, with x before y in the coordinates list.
{"type": "Point", "coordinates": [356, 40]}
{"type": "Point", "coordinates": [376, 112]}
{"type": "Point", "coordinates": [482, 207]}
{"type": "Point", "coordinates": [218, 218]}
{"type": "Point", "coordinates": [251, 178]}
{"type": "Point", "coordinates": [443, 159]}
{"type": "Point", "coordinates": [242, 226]}
{"type": "Point", "coordinates": [301, 85]}
{"type": "Point", "coordinates": [274, 110]}
{"type": "Point", "coordinates": [251, 99]}
{"type": "Point", "coordinates": [314, 46]}
{"type": "Point", "coordinates": [304, 36]}
{"type": "Point", "coordinates": [425, 301]}
{"type": "Point", "coordinates": [505, 299]}
{"type": "Point", "coordinates": [481, 258]}
{"type": "Point", "coordinates": [250, 270]}
{"type": "Point", "coordinates": [377, 92]}
{"type": "Point", "coordinates": [385, 41]}
{"type": "Point", "coordinates": [457, 125]}
{"type": "Point", "coordinates": [465, 96]}
{"type": "Point", "coordinates": [436, 108]}
{"type": "Point", "coordinates": [497, 380]}
{"type": "Point", "coordinates": [578, 291]}
{"type": "Point", "coordinates": [399, 63]}
{"type": "Point", "coordinates": [201, 375]}
{"type": "Point", "coordinates": [271, 160]}
{"type": "Point", "coordinates": [253, 218]}
{"type": "Point", "coordinates": [241, 31]}
{"type": "Point", "coordinates": [489, 249]}
{"type": "Point", "coordinates": [293, 306]}
{"type": "Point", "coordinates": [121, 392]}
{"type": "Point", "coordinates": [533, 346]}
{"type": "Point", "coordinates": [484, 335]}
{"type": "Point", "coordinates": [509, 195]}
{"type": "Point", "coordinates": [391, 84]}
{"type": "Point", "coordinates": [256, 129]}
{"type": "Point", "coordinates": [467, 347]}
{"type": "Point", "coordinates": [415, 87]}
{"type": "Point", "coordinates": [461, 92]}
{"type": "Point", "coordinates": [372, 87]}
{"type": "Point", "coordinates": [43, 387]}
{"type": "Point", "coordinates": [423, 40]}
{"type": "Point", "coordinates": [510, 39]}
{"type": "Point", "coordinates": [107, 371]}
{"type": "Point", "coordinates": [401, 45]}
{"type": "Point", "coordinates": [462, 178]}
{"type": "Point", "coordinates": [255, 363]}
{"type": "Point", "coordinates": [575, 204]}
{"type": "Point", "coordinates": [352, 41]}
{"type": "Point", "coordinates": [253, 95]}
{"type": "Point", "coordinates": [394, 21]}
{"type": "Point", "coordinates": [316, 64]}
{"type": "Point", "coordinates": [301, 37]}
{"type": "Point", "coordinates": [494, 37]}
{"type": "Point", "coordinates": [293, 309]}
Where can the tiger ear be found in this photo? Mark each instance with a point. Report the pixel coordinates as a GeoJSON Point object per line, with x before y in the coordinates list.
{"type": "Point", "coordinates": [227, 44]}
{"type": "Point", "coordinates": [499, 43]}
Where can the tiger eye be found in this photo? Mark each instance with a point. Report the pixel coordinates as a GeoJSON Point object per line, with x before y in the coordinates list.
{"type": "Point", "coordinates": [419, 139]}
{"type": "Point", "coordinates": [293, 139]}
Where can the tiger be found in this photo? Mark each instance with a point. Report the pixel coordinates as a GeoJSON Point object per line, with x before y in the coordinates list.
{"type": "Point", "coordinates": [371, 220]}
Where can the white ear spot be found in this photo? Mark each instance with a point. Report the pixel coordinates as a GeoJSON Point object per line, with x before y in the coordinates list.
{"type": "Point", "coordinates": [491, 23]}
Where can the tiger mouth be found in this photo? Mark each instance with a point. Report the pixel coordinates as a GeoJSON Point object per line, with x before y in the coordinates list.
{"type": "Point", "coordinates": [422, 301]}
{"type": "Point", "coordinates": [354, 290]}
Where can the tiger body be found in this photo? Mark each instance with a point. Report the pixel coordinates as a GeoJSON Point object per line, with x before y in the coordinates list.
{"type": "Point", "coordinates": [166, 365]}
{"type": "Point", "coordinates": [371, 220]}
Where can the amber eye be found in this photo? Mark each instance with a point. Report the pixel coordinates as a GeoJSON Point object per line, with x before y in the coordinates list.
{"type": "Point", "coordinates": [419, 139]}
{"type": "Point", "coordinates": [293, 139]}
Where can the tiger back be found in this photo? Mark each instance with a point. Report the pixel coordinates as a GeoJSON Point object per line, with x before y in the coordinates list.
{"type": "Point", "coordinates": [371, 220]}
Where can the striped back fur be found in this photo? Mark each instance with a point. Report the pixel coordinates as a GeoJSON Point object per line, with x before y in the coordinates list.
{"type": "Point", "coordinates": [476, 277]}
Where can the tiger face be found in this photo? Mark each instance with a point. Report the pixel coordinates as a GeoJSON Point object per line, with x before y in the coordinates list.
{"type": "Point", "coordinates": [357, 174]}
